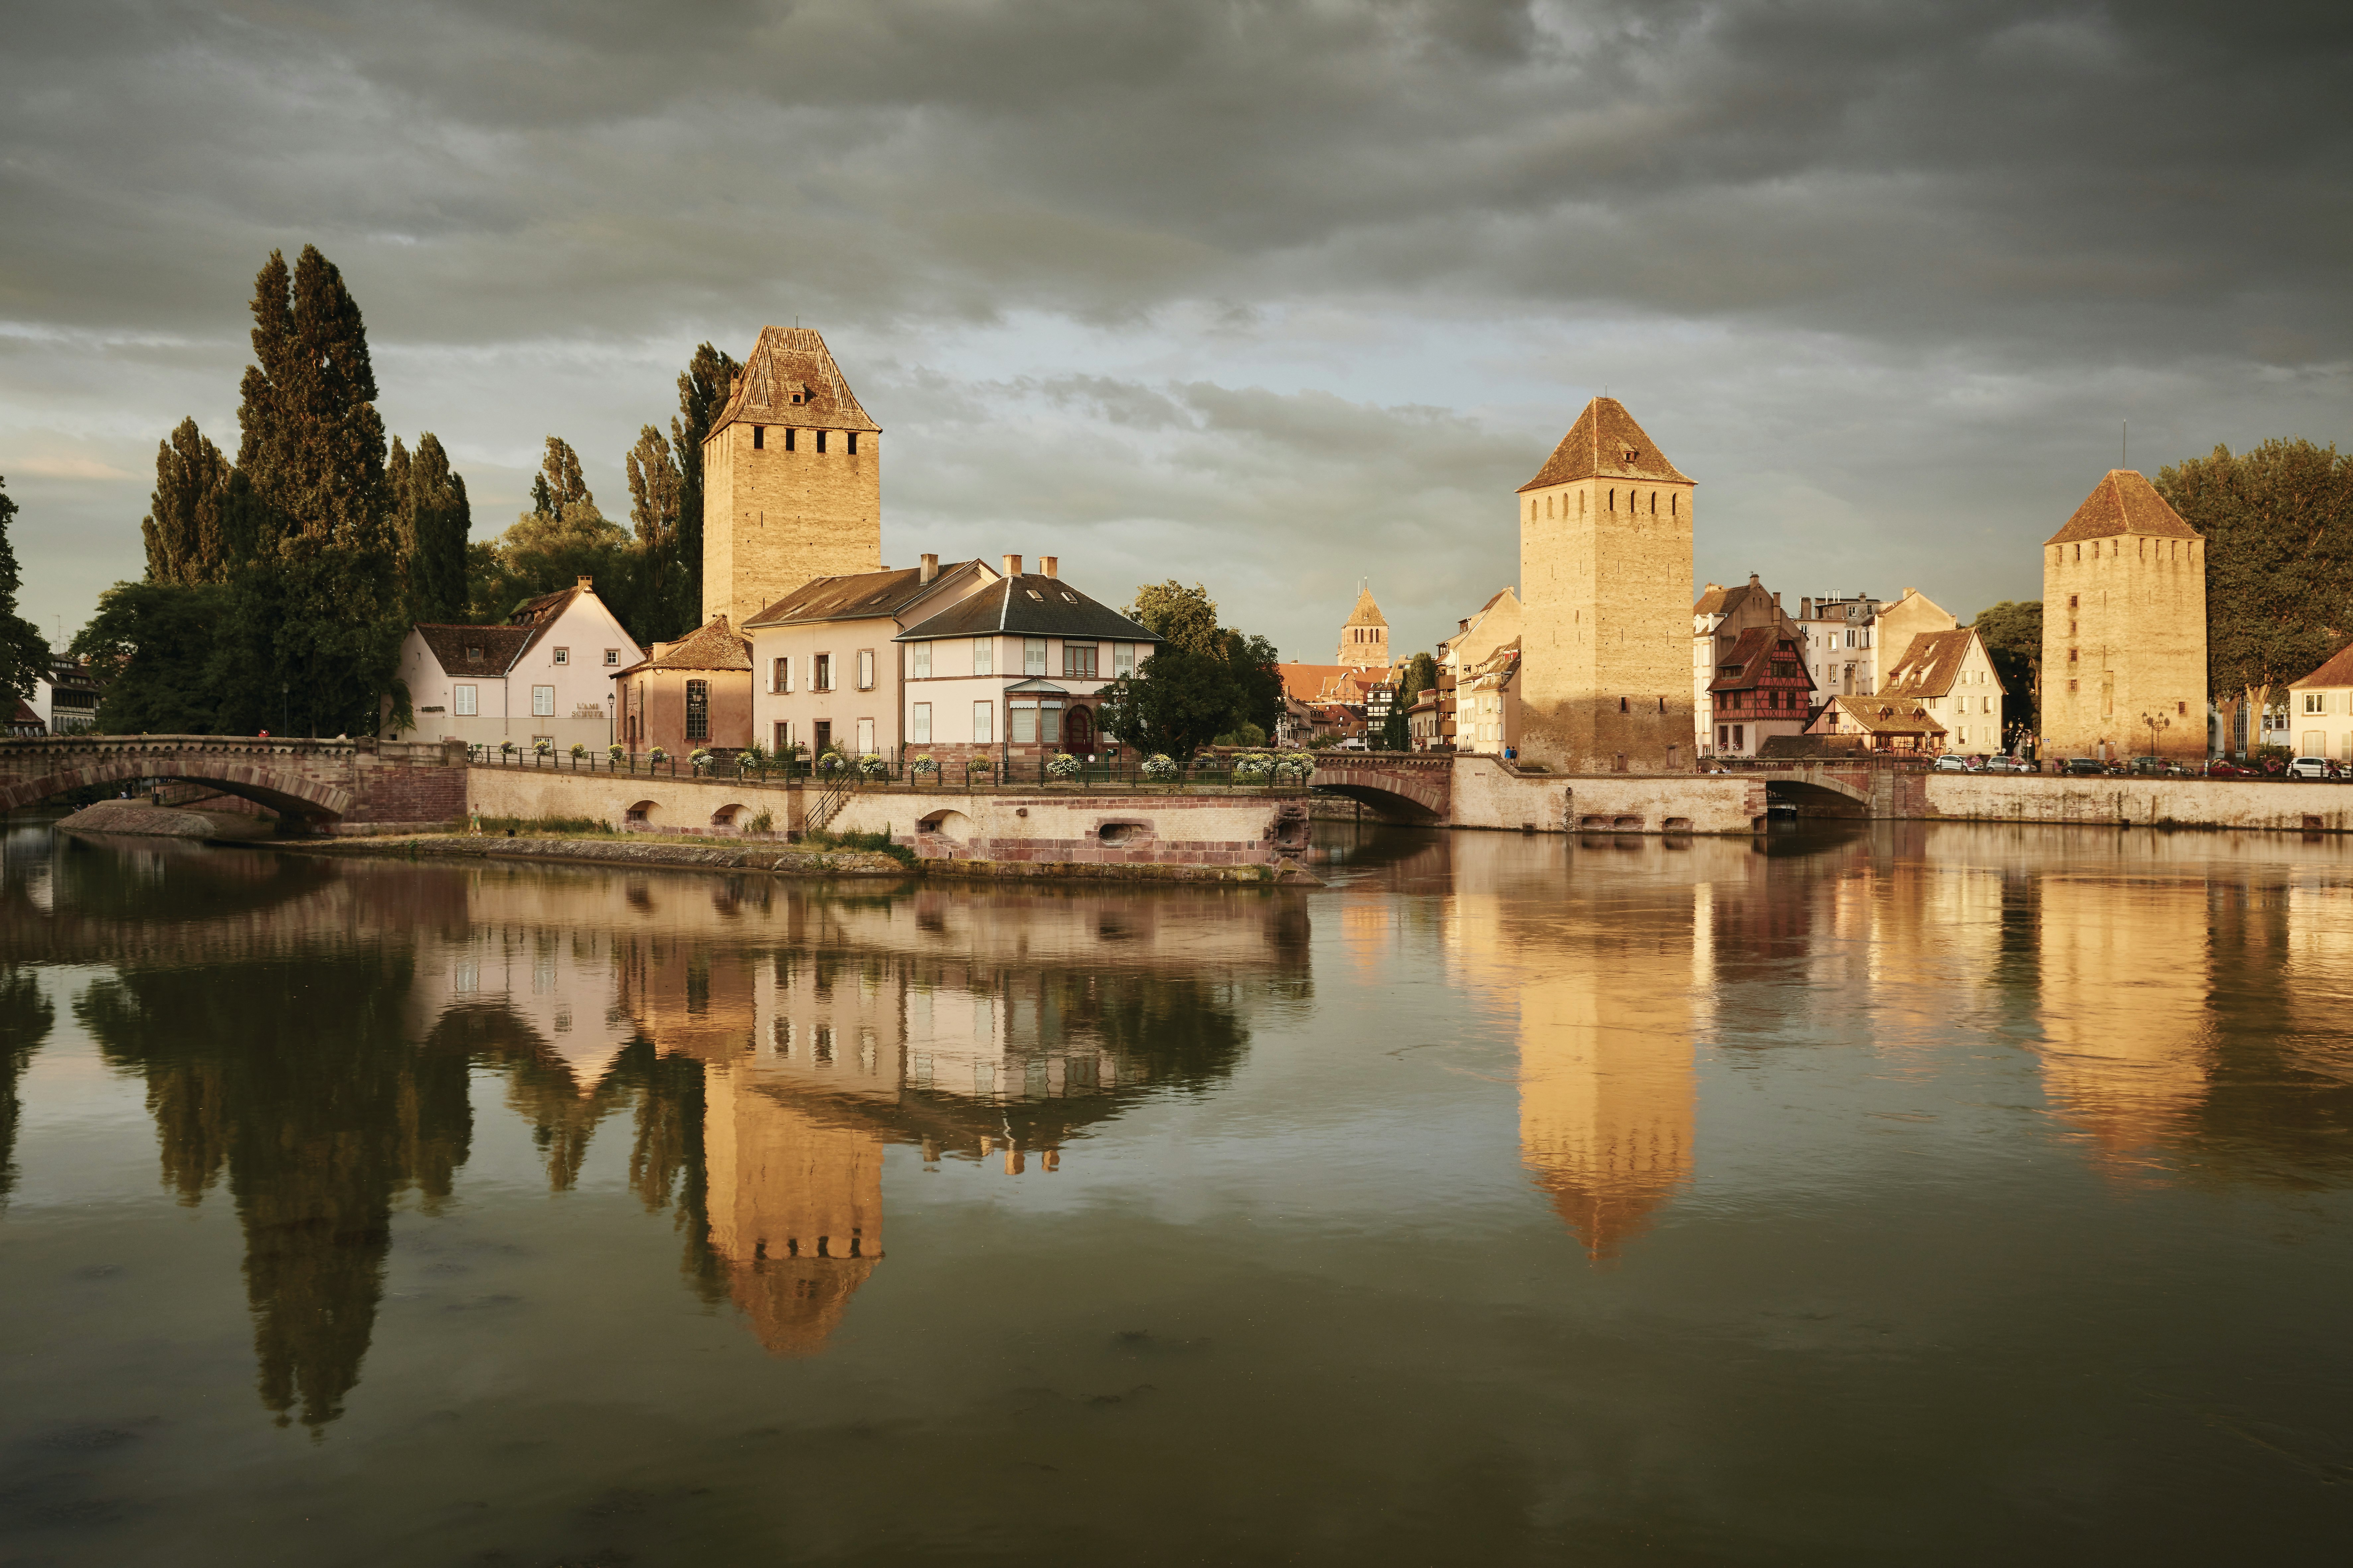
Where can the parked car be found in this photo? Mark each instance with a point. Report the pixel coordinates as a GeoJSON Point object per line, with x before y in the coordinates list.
{"type": "Point", "coordinates": [2086, 765]}
{"type": "Point", "coordinates": [2221, 769]}
{"type": "Point", "coordinates": [1950, 763]}
{"type": "Point", "coordinates": [2308, 768]}
{"type": "Point", "coordinates": [1353, 743]}
{"type": "Point", "coordinates": [2007, 764]}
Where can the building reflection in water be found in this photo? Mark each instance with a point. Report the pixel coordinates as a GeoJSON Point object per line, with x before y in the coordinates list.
{"type": "Point", "coordinates": [2123, 970]}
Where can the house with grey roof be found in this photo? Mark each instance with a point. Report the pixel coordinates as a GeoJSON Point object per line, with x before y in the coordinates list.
{"type": "Point", "coordinates": [1016, 671]}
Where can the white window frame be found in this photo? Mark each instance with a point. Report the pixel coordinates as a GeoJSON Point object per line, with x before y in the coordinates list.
{"type": "Point", "coordinates": [865, 669]}
{"type": "Point", "coordinates": [919, 660]}
{"type": "Point", "coordinates": [2316, 703]}
{"type": "Point", "coordinates": [564, 656]}
{"type": "Point", "coordinates": [1122, 659]}
{"type": "Point", "coordinates": [919, 724]}
{"type": "Point", "coordinates": [864, 731]}
{"type": "Point", "coordinates": [543, 702]}
{"type": "Point", "coordinates": [1034, 654]}
{"type": "Point", "coordinates": [612, 658]}
{"type": "Point", "coordinates": [465, 701]}
{"type": "Point", "coordinates": [984, 656]}
{"type": "Point", "coordinates": [984, 723]}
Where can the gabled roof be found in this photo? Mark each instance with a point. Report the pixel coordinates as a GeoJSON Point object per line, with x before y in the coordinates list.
{"type": "Point", "coordinates": [716, 646]}
{"type": "Point", "coordinates": [1605, 444]}
{"type": "Point", "coordinates": [859, 595]}
{"type": "Point", "coordinates": [1323, 682]}
{"type": "Point", "coordinates": [1753, 653]}
{"type": "Point", "coordinates": [1731, 601]}
{"type": "Point", "coordinates": [1931, 665]}
{"type": "Point", "coordinates": [1887, 715]}
{"type": "Point", "coordinates": [539, 617]}
{"type": "Point", "coordinates": [786, 364]}
{"type": "Point", "coordinates": [1033, 605]}
{"type": "Point", "coordinates": [2124, 502]}
{"type": "Point", "coordinates": [1711, 600]}
{"type": "Point", "coordinates": [1366, 612]}
{"type": "Point", "coordinates": [500, 647]}
{"type": "Point", "coordinates": [2336, 671]}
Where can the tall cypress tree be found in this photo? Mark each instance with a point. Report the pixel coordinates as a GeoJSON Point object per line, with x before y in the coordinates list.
{"type": "Point", "coordinates": [24, 651]}
{"type": "Point", "coordinates": [703, 392]}
{"type": "Point", "coordinates": [561, 483]}
{"type": "Point", "coordinates": [182, 525]}
{"type": "Point", "coordinates": [432, 519]}
{"type": "Point", "coordinates": [319, 588]}
{"type": "Point", "coordinates": [655, 486]}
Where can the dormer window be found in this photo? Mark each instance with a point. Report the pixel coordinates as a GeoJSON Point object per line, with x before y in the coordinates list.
{"type": "Point", "coordinates": [474, 655]}
{"type": "Point", "coordinates": [1035, 594]}
{"type": "Point", "coordinates": [564, 656]}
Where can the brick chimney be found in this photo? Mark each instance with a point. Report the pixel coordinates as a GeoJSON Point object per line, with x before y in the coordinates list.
{"type": "Point", "coordinates": [588, 585]}
{"type": "Point", "coordinates": [1049, 565]}
{"type": "Point", "coordinates": [1012, 565]}
{"type": "Point", "coordinates": [928, 567]}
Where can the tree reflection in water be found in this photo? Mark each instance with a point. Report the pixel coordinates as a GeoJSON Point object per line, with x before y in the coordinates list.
{"type": "Point", "coordinates": [301, 1081]}
{"type": "Point", "coordinates": [25, 1016]}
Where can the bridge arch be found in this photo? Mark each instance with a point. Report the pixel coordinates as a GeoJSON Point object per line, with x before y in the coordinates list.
{"type": "Point", "coordinates": [1415, 790]}
{"type": "Point", "coordinates": [287, 793]}
{"type": "Point", "coordinates": [1818, 792]}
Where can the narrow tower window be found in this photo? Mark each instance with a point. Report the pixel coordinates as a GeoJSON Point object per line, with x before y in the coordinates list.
{"type": "Point", "coordinates": [853, 442]}
{"type": "Point", "coordinates": [820, 441]}
{"type": "Point", "coordinates": [788, 437]}
{"type": "Point", "coordinates": [759, 437]}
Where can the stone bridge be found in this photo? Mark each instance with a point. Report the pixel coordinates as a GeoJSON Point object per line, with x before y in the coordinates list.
{"type": "Point", "coordinates": [1410, 786]}
{"type": "Point", "coordinates": [366, 785]}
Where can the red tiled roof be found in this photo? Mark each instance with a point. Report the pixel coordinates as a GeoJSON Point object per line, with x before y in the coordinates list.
{"type": "Point", "coordinates": [716, 646]}
{"type": "Point", "coordinates": [1931, 665]}
{"type": "Point", "coordinates": [2124, 502]}
{"type": "Point", "coordinates": [2336, 670]}
{"type": "Point", "coordinates": [1754, 654]}
{"type": "Point", "coordinates": [1605, 443]}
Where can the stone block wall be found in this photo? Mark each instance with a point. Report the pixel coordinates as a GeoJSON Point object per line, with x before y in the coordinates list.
{"type": "Point", "coordinates": [776, 517]}
{"type": "Point", "coordinates": [2136, 633]}
{"type": "Point", "coordinates": [1604, 646]}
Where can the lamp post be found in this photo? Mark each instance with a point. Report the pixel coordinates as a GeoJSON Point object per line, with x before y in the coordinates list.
{"type": "Point", "coordinates": [2158, 724]}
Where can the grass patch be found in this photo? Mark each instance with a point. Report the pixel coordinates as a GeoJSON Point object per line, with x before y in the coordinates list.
{"type": "Point", "coordinates": [880, 843]}
{"type": "Point", "coordinates": [547, 827]}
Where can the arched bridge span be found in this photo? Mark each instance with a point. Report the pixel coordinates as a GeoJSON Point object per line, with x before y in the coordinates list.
{"type": "Point", "coordinates": [1408, 787]}
{"type": "Point", "coordinates": [328, 784]}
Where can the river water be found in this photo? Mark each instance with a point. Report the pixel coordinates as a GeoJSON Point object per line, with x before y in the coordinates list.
{"type": "Point", "coordinates": [1933, 1194]}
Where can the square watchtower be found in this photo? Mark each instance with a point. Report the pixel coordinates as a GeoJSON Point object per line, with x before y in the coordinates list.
{"type": "Point", "coordinates": [2124, 627]}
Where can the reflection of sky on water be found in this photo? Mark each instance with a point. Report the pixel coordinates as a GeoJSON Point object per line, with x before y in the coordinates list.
{"type": "Point", "coordinates": [1493, 1056]}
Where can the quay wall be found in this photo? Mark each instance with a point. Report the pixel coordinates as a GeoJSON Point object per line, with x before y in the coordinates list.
{"type": "Point", "coordinates": [1488, 795]}
{"type": "Point", "coordinates": [1110, 828]}
{"type": "Point", "coordinates": [2268, 806]}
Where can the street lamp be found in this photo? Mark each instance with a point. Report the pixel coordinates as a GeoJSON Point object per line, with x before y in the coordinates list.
{"type": "Point", "coordinates": [2158, 724]}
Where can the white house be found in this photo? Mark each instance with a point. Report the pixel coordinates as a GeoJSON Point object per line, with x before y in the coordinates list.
{"type": "Point", "coordinates": [547, 675]}
{"type": "Point", "coordinates": [2320, 711]}
{"type": "Point", "coordinates": [1015, 670]}
{"type": "Point", "coordinates": [827, 675]}
{"type": "Point", "coordinates": [1950, 675]}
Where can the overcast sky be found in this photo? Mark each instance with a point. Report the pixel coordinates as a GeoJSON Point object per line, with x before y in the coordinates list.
{"type": "Point", "coordinates": [1273, 296]}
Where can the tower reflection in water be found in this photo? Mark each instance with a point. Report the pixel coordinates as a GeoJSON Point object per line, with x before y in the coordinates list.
{"type": "Point", "coordinates": [781, 1043]}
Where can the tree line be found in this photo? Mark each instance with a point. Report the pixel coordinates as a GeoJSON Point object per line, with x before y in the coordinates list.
{"type": "Point", "coordinates": [279, 585]}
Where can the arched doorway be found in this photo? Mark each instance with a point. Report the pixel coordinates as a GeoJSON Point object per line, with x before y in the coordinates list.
{"type": "Point", "coordinates": [1078, 730]}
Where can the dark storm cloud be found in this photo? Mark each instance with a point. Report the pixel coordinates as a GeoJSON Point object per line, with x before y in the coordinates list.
{"type": "Point", "coordinates": [1944, 224]}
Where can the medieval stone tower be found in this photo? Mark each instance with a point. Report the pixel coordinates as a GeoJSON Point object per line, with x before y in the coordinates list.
{"type": "Point", "coordinates": [792, 478]}
{"type": "Point", "coordinates": [1605, 577]}
{"type": "Point", "coordinates": [2124, 627]}
{"type": "Point", "coordinates": [1364, 640]}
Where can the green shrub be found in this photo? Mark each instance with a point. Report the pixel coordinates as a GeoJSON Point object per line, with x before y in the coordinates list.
{"type": "Point", "coordinates": [880, 843]}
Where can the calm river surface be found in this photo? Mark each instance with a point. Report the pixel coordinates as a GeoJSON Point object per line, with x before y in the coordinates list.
{"type": "Point", "coordinates": [1940, 1194]}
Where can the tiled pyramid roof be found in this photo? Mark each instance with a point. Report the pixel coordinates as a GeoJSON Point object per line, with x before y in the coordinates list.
{"type": "Point", "coordinates": [1366, 612]}
{"type": "Point", "coordinates": [716, 646]}
{"type": "Point", "coordinates": [2124, 502]}
{"type": "Point", "coordinates": [1605, 443]}
{"type": "Point", "coordinates": [788, 364]}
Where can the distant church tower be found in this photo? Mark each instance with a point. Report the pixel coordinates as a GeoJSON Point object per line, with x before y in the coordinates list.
{"type": "Point", "coordinates": [792, 478]}
{"type": "Point", "coordinates": [2124, 627]}
{"type": "Point", "coordinates": [1364, 640]}
{"type": "Point", "coordinates": [1606, 579]}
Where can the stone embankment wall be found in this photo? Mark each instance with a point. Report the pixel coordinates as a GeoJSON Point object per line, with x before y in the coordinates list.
{"type": "Point", "coordinates": [1116, 828]}
{"type": "Point", "coordinates": [647, 851]}
{"type": "Point", "coordinates": [2162, 803]}
{"type": "Point", "coordinates": [1488, 795]}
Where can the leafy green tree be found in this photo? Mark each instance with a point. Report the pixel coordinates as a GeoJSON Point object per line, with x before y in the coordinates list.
{"type": "Point", "coordinates": [1176, 701]}
{"type": "Point", "coordinates": [432, 519]}
{"type": "Point", "coordinates": [1395, 736]}
{"type": "Point", "coordinates": [561, 483]}
{"type": "Point", "coordinates": [1419, 674]}
{"type": "Point", "coordinates": [154, 644]}
{"type": "Point", "coordinates": [24, 652]}
{"type": "Point", "coordinates": [540, 554]}
{"type": "Point", "coordinates": [182, 525]}
{"type": "Point", "coordinates": [703, 392]}
{"type": "Point", "coordinates": [1258, 684]}
{"type": "Point", "coordinates": [2278, 525]}
{"type": "Point", "coordinates": [664, 597]}
{"type": "Point", "coordinates": [2012, 634]}
{"type": "Point", "coordinates": [1186, 617]}
{"type": "Point", "coordinates": [315, 562]}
